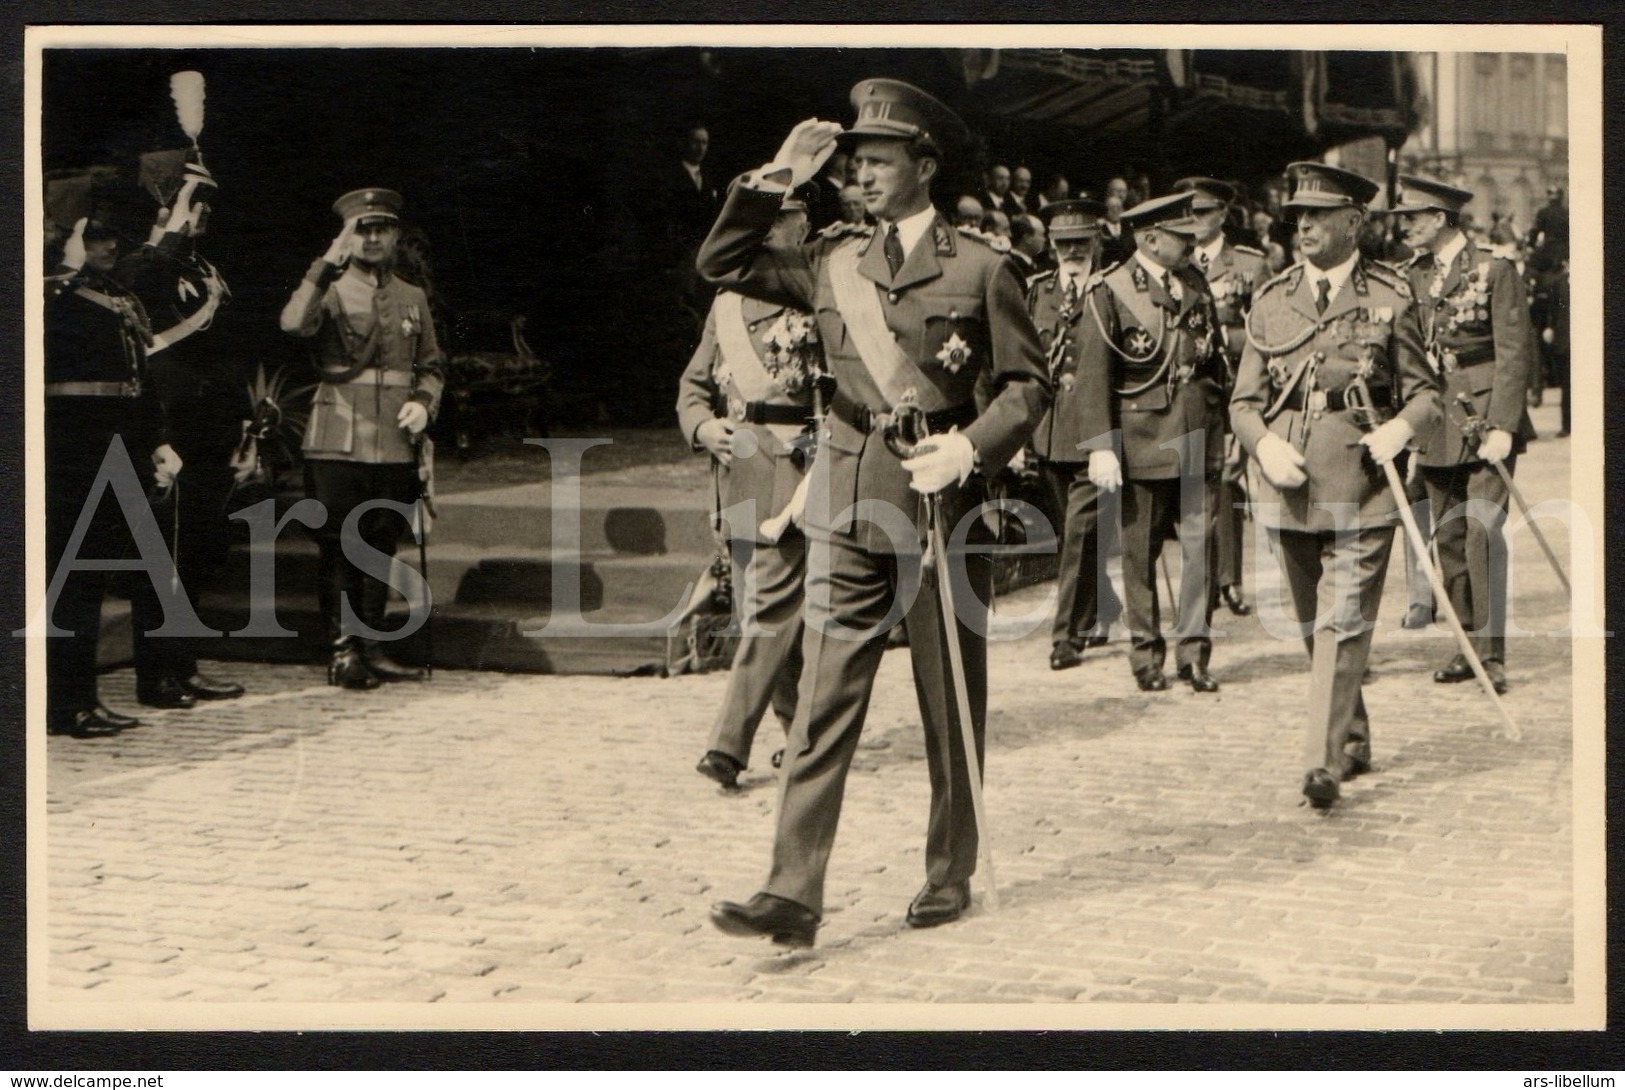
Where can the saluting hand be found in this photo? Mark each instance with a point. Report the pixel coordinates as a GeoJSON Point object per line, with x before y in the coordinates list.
{"type": "Point", "coordinates": [1282, 463]}
{"type": "Point", "coordinates": [339, 252]}
{"type": "Point", "coordinates": [73, 250]}
{"type": "Point", "coordinates": [717, 436]}
{"type": "Point", "coordinates": [806, 149]}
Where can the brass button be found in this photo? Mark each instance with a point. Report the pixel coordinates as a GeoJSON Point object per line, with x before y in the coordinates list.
{"type": "Point", "coordinates": [891, 297]}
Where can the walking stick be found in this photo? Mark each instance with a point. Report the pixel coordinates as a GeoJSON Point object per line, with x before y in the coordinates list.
{"type": "Point", "coordinates": [422, 519]}
{"type": "Point", "coordinates": [1358, 399]}
{"type": "Point", "coordinates": [907, 430]}
{"type": "Point", "coordinates": [1475, 428]}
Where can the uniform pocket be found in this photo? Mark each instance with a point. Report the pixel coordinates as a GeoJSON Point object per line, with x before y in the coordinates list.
{"type": "Point", "coordinates": [332, 422]}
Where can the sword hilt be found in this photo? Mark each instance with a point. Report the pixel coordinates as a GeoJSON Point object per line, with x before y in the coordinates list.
{"type": "Point", "coordinates": [1473, 426]}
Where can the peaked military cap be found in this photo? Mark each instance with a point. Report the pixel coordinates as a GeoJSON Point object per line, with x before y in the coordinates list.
{"type": "Point", "coordinates": [892, 108]}
{"type": "Point", "coordinates": [1169, 213]}
{"type": "Point", "coordinates": [1210, 192]}
{"type": "Point", "coordinates": [1076, 218]}
{"type": "Point", "coordinates": [370, 206]}
{"type": "Point", "coordinates": [1319, 185]}
{"type": "Point", "coordinates": [1419, 194]}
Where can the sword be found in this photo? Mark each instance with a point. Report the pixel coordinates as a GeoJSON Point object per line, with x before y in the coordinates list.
{"type": "Point", "coordinates": [1474, 427]}
{"type": "Point", "coordinates": [905, 431]}
{"type": "Point", "coordinates": [422, 518]}
{"type": "Point", "coordinates": [1358, 399]}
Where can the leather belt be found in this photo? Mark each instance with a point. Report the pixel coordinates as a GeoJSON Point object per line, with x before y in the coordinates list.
{"type": "Point", "coordinates": [372, 376]}
{"type": "Point", "coordinates": [763, 412]}
{"type": "Point", "coordinates": [1332, 401]}
{"type": "Point", "coordinates": [1452, 360]}
{"type": "Point", "coordinates": [868, 420]}
{"type": "Point", "coordinates": [92, 389]}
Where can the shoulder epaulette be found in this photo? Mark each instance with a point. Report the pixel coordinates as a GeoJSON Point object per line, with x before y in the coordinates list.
{"type": "Point", "coordinates": [1248, 250]}
{"type": "Point", "coordinates": [1289, 276]}
{"type": "Point", "coordinates": [841, 229]}
{"type": "Point", "coordinates": [1389, 276]}
{"type": "Point", "coordinates": [1098, 277]}
{"type": "Point", "coordinates": [997, 243]}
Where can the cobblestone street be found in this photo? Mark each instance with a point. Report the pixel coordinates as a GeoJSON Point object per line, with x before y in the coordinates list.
{"type": "Point", "coordinates": [503, 840]}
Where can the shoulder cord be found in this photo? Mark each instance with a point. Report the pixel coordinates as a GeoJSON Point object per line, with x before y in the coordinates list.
{"type": "Point", "coordinates": [1094, 310]}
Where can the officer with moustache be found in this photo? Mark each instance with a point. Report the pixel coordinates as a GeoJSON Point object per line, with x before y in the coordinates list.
{"type": "Point", "coordinates": [912, 313]}
{"type": "Point", "coordinates": [1150, 328]}
{"type": "Point", "coordinates": [1317, 332]}
{"type": "Point", "coordinates": [1232, 273]}
{"type": "Point", "coordinates": [1074, 440]}
{"type": "Point", "coordinates": [747, 399]}
{"type": "Point", "coordinates": [1475, 323]}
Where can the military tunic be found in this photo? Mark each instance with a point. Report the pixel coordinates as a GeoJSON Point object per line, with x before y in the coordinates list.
{"type": "Point", "coordinates": [955, 314]}
{"type": "Point", "coordinates": [1475, 321]}
{"type": "Point", "coordinates": [769, 461]}
{"type": "Point", "coordinates": [1333, 533]}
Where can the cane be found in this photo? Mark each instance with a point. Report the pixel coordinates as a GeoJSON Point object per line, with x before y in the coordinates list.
{"type": "Point", "coordinates": [907, 429]}
{"type": "Point", "coordinates": [1475, 427]}
{"type": "Point", "coordinates": [422, 515]}
{"type": "Point", "coordinates": [1358, 400]}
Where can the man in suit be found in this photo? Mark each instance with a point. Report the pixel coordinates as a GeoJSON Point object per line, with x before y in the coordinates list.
{"type": "Point", "coordinates": [1074, 440]}
{"type": "Point", "coordinates": [913, 314]}
{"type": "Point", "coordinates": [1021, 188]}
{"type": "Point", "coordinates": [1333, 319]}
{"type": "Point", "coordinates": [1150, 326]}
{"type": "Point", "coordinates": [746, 399]}
{"type": "Point", "coordinates": [996, 197]}
{"type": "Point", "coordinates": [1475, 323]}
{"type": "Point", "coordinates": [1232, 273]}
{"type": "Point", "coordinates": [1028, 243]}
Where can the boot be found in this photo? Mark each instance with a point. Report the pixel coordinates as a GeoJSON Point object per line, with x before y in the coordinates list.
{"type": "Point", "coordinates": [374, 595]}
{"type": "Point", "coordinates": [348, 669]}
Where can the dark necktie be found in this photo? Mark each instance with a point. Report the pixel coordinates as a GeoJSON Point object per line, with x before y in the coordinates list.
{"type": "Point", "coordinates": [1323, 295]}
{"type": "Point", "coordinates": [894, 250]}
{"type": "Point", "coordinates": [1072, 289]}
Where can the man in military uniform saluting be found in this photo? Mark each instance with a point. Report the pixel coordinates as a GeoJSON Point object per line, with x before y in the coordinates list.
{"type": "Point", "coordinates": [912, 313]}
{"type": "Point", "coordinates": [1074, 440]}
{"type": "Point", "coordinates": [1232, 273]}
{"type": "Point", "coordinates": [1334, 320]}
{"type": "Point", "coordinates": [381, 376]}
{"type": "Point", "coordinates": [1149, 326]}
{"type": "Point", "coordinates": [747, 398]}
{"type": "Point", "coordinates": [1475, 324]}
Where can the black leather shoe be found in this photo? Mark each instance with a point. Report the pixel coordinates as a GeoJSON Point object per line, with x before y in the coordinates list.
{"type": "Point", "coordinates": [1498, 675]}
{"type": "Point", "coordinates": [1200, 679]}
{"type": "Point", "coordinates": [207, 688]}
{"type": "Point", "coordinates": [1320, 789]}
{"type": "Point", "coordinates": [118, 719]}
{"type": "Point", "coordinates": [720, 767]}
{"type": "Point", "coordinates": [387, 669]}
{"type": "Point", "coordinates": [348, 670]}
{"type": "Point", "coordinates": [165, 693]}
{"type": "Point", "coordinates": [1151, 679]}
{"type": "Point", "coordinates": [1063, 656]}
{"type": "Point", "coordinates": [785, 922]}
{"type": "Point", "coordinates": [1099, 640]}
{"type": "Point", "coordinates": [937, 905]}
{"type": "Point", "coordinates": [1457, 670]}
{"type": "Point", "coordinates": [1233, 600]}
{"type": "Point", "coordinates": [88, 724]}
{"type": "Point", "coordinates": [1417, 617]}
{"type": "Point", "coordinates": [1354, 766]}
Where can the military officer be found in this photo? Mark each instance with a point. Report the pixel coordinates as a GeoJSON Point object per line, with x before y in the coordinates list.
{"type": "Point", "coordinates": [912, 313]}
{"type": "Point", "coordinates": [381, 376]}
{"type": "Point", "coordinates": [1150, 327]}
{"type": "Point", "coordinates": [98, 392]}
{"type": "Point", "coordinates": [1330, 320]}
{"type": "Point", "coordinates": [1074, 439]}
{"type": "Point", "coordinates": [747, 399]}
{"type": "Point", "coordinates": [183, 294]}
{"type": "Point", "coordinates": [1475, 324]}
{"type": "Point", "coordinates": [1232, 272]}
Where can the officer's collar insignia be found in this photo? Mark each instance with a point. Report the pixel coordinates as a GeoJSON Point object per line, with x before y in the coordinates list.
{"type": "Point", "coordinates": [1142, 282]}
{"type": "Point", "coordinates": [942, 237]}
{"type": "Point", "coordinates": [1357, 278]}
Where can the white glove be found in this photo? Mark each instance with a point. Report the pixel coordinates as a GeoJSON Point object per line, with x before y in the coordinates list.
{"type": "Point", "coordinates": [1281, 462]}
{"type": "Point", "coordinates": [413, 417]}
{"type": "Point", "coordinates": [806, 149]}
{"type": "Point", "coordinates": [1019, 462]}
{"type": "Point", "coordinates": [1105, 471]}
{"type": "Point", "coordinates": [339, 251]}
{"type": "Point", "coordinates": [166, 465]}
{"type": "Point", "coordinates": [717, 436]}
{"type": "Point", "coordinates": [243, 462]}
{"type": "Point", "coordinates": [1385, 442]}
{"type": "Point", "coordinates": [73, 250]}
{"type": "Point", "coordinates": [1495, 446]}
{"type": "Point", "coordinates": [940, 461]}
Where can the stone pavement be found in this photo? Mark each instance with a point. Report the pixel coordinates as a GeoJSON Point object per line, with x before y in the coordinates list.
{"type": "Point", "coordinates": [540, 839]}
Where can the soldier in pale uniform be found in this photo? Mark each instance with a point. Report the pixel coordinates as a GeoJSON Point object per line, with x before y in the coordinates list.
{"type": "Point", "coordinates": [1233, 272]}
{"type": "Point", "coordinates": [911, 312]}
{"type": "Point", "coordinates": [1074, 440]}
{"type": "Point", "coordinates": [1331, 319]}
{"type": "Point", "coordinates": [747, 399]}
{"type": "Point", "coordinates": [1475, 324]}
{"type": "Point", "coordinates": [1149, 325]}
{"type": "Point", "coordinates": [381, 372]}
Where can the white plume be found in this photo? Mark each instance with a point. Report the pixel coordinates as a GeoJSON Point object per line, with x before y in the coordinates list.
{"type": "Point", "coordinates": [186, 88]}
